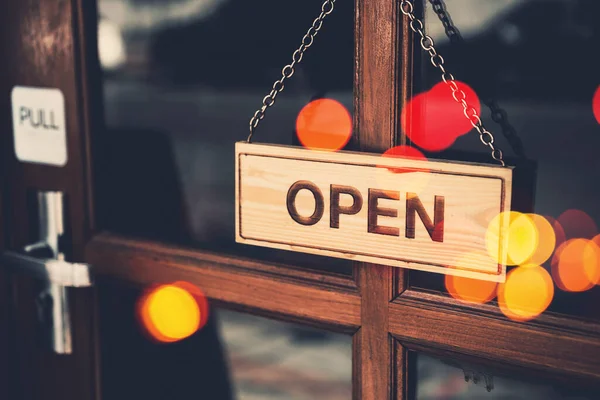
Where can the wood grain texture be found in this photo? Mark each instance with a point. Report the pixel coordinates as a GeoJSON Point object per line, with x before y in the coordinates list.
{"type": "Point", "coordinates": [380, 89]}
{"type": "Point", "coordinates": [263, 289]}
{"type": "Point", "coordinates": [8, 358]}
{"type": "Point", "coordinates": [404, 374]}
{"type": "Point", "coordinates": [44, 42]}
{"type": "Point", "coordinates": [558, 345]}
{"type": "Point", "coordinates": [444, 226]}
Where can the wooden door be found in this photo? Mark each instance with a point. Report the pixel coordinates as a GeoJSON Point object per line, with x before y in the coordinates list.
{"type": "Point", "coordinates": [385, 310]}
{"type": "Point", "coordinates": [47, 49]}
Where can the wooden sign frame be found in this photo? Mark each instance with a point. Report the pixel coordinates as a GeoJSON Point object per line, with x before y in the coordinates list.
{"type": "Point", "coordinates": [285, 196]}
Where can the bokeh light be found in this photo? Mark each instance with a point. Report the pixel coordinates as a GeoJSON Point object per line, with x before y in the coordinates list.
{"type": "Point", "coordinates": [469, 290]}
{"type": "Point", "coordinates": [559, 232]}
{"type": "Point", "coordinates": [412, 180]}
{"type": "Point", "coordinates": [596, 104]}
{"type": "Point", "coordinates": [554, 265]}
{"type": "Point", "coordinates": [577, 224]}
{"type": "Point", "coordinates": [324, 124]}
{"type": "Point", "coordinates": [403, 152]}
{"type": "Point", "coordinates": [527, 293]}
{"type": "Point", "coordinates": [546, 240]}
{"type": "Point", "coordinates": [576, 265]}
{"type": "Point", "coordinates": [596, 241]}
{"type": "Point", "coordinates": [414, 121]}
{"type": "Point", "coordinates": [434, 120]}
{"type": "Point", "coordinates": [170, 313]}
{"type": "Point", "coordinates": [521, 241]}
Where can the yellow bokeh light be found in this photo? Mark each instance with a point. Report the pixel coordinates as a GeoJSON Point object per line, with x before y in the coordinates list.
{"type": "Point", "coordinates": [527, 292]}
{"type": "Point", "coordinates": [170, 313]}
{"type": "Point", "coordinates": [546, 240]}
{"type": "Point", "coordinates": [514, 244]}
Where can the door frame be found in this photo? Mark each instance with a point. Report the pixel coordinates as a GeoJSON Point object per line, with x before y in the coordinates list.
{"type": "Point", "coordinates": [387, 318]}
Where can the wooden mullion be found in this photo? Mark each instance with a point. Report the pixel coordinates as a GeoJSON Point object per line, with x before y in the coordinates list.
{"type": "Point", "coordinates": [421, 320]}
{"type": "Point", "coordinates": [404, 373]}
{"type": "Point", "coordinates": [273, 290]}
{"type": "Point", "coordinates": [381, 87]}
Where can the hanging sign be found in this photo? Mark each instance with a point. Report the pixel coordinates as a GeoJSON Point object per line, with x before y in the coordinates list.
{"type": "Point", "coordinates": [428, 215]}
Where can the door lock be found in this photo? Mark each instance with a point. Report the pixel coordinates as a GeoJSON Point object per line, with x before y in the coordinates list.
{"type": "Point", "coordinates": [51, 268]}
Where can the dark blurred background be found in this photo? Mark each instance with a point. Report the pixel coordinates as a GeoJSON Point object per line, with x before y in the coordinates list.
{"type": "Point", "coordinates": [183, 77]}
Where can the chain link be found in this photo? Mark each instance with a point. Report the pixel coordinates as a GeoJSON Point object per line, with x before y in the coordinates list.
{"type": "Point", "coordinates": [452, 32]}
{"type": "Point", "coordinates": [289, 69]}
{"type": "Point", "coordinates": [427, 43]}
{"type": "Point", "coordinates": [499, 116]}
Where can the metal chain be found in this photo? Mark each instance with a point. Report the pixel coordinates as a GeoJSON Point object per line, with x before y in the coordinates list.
{"type": "Point", "coordinates": [289, 69]}
{"type": "Point", "coordinates": [486, 137]}
{"type": "Point", "coordinates": [499, 115]}
{"type": "Point", "coordinates": [451, 31]}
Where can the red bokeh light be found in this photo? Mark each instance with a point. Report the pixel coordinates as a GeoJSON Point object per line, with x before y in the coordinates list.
{"type": "Point", "coordinates": [577, 224]}
{"type": "Point", "coordinates": [404, 152]}
{"type": "Point", "coordinates": [596, 104]}
{"type": "Point", "coordinates": [558, 231]}
{"type": "Point", "coordinates": [434, 120]}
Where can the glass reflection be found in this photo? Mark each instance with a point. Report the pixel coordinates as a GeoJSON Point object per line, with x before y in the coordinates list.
{"type": "Point", "coordinates": [182, 79]}
{"type": "Point", "coordinates": [271, 360]}
{"type": "Point", "coordinates": [527, 64]}
{"type": "Point", "coordinates": [451, 380]}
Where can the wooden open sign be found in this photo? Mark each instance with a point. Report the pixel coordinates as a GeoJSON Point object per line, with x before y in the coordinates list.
{"type": "Point", "coordinates": [426, 215]}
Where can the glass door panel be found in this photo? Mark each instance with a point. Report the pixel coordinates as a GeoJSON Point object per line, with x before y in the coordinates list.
{"type": "Point", "coordinates": [439, 379]}
{"type": "Point", "coordinates": [182, 79]}
{"type": "Point", "coordinates": [530, 61]}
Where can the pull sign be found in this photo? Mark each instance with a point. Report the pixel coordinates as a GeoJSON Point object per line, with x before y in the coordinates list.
{"type": "Point", "coordinates": [428, 215]}
{"type": "Point", "coordinates": [39, 129]}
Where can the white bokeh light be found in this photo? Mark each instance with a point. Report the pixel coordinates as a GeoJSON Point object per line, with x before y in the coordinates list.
{"type": "Point", "coordinates": [111, 48]}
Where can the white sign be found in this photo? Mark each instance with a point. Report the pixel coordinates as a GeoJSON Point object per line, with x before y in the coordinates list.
{"type": "Point", "coordinates": [39, 125]}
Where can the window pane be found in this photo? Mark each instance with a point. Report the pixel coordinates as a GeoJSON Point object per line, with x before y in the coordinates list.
{"type": "Point", "coordinates": [182, 79]}
{"type": "Point", "coordinates": [532, 58]}
{"type": "Point", "coordinates": [447, 380]}
{"type": "Point", "coordinates": [271, 360]}
{"type": "Point", "coordinates": [154, 346]}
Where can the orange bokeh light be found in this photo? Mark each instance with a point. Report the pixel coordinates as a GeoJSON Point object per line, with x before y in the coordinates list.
{"type": "Point", "coordinates": [169, 313]}
{"type": "Point", "coordinates": [596, 104]}
{"type": "Point", "coordinates": [469, 290]}
{"type": "Point", "coordinates": [576, 265]}
{"type": "Point", "coordinates": [324, 124]}
{"type": "Point", "coordinates": [546, 240]}
{"type": "Point", "coordinates": [577, 224]}
{"type": "Point", "coordinates": [559, 232]}
{"type": "Point", "coordinates": [527, 292]}
{"type": "Point", "coordinates": [434, 120]}
{"type": "Point", "coordinates": [596, 241]}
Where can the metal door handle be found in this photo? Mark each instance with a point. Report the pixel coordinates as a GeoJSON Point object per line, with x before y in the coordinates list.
{"type": "Point", "coordinates": [55, 272]}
